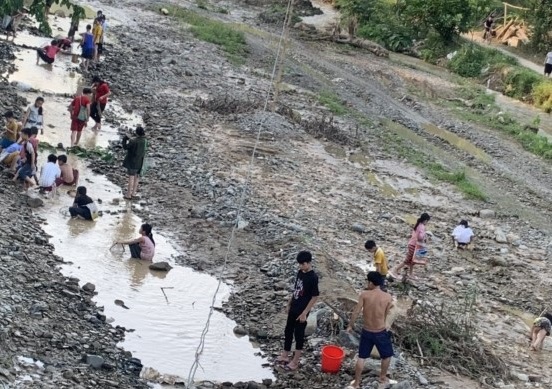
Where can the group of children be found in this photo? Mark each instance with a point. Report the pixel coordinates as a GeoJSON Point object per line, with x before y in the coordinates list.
{"type": "Point", "coordinates": [91, 44]}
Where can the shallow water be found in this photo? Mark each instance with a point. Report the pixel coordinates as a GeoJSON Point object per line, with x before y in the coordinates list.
{"type": "Point", "coordinates": [329, 16]}
{"type": "Point", "coordinates": [167, 329]}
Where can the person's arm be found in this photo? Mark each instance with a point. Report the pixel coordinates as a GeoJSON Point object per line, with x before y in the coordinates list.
{"type": "Point", "coordinates": [303, 316]}
{"type": "Point", "coordinates": [26, 117]}
{"type": "Point", "coordinates": [33, 161]}
{"type": "Point", "coordinates": [11, 131]}
{"type": "Point", "coordinates": [127, 143]}
{"type": "Point", "coordinates": [133, 241]}
{"type": "Point", "coordinates": [387, 309]}
{"type": "Point", "coordinates": [354, 316]}
{"type": "Point", "coordinates": [43, 124]}
{"type": "Point", "coordinates": [87, 112]}
{"type": "Point", "coordinates": [104, 97]}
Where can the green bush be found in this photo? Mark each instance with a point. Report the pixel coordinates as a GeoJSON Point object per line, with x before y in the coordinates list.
{"type": "Point", "coordinates": [395, 38]}
{"type": "Point", "coordinates": [435, 48]}
{"type": "Point", "coordinates": [520, 82]}
{"type": "Point", "coordinates": [332, 102]}
{"type": "Point", "coordinates": [542, 95]}
{"type": "Point", "coordinates": [471, 59]}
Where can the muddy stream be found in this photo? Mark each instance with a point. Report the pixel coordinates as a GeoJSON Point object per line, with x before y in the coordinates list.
{"type": "Point", "coordinates": [165, 312]}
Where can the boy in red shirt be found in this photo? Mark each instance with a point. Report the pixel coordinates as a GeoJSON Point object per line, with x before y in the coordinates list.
{"type": "Point", "coordinates": [79, 118]}
{"type": "Point", "coordinates": [101, 93]}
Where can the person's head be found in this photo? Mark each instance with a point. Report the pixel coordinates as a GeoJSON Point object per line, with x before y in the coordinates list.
{"type": "Point", "coordinates": [62, 159]}
{"type": "Point", "coordinates": [370, 245]}
{"type": "Point", "coordinates": [464, 223]}
{"type": "Point", "coordinates": [55, 42]}
{"type": "Point", "coordinates": [304, 259]}
{"type": "Point", "coordinates": [96, 80]}
{"type": "Point", "coordinates": [34, 131]}
{"type": "Point", "coordinates": [26, 133]}
{"type": "Point", "coordinates": [87, 91]}
{"type": "Point", "coordinates": [81, 190]}
{"type": "Point", "coordinates": [52, 158]}
{"type": "Point", "coordinates": [375, 280]}
{"type": "Point", "coordinates": [88, 27]}
{"type": "Point", "coordinates": [423, 219]}
{"type": "Point", "coordinates": [10, 117]}
{"type": "Point", "coordinates": [39, 101]}
{"type": "Point", "coordinates": [99, 13]}
{"type": "Point", "coordinates": [140, 131]}
{"type": "Point", "coordinates": [145, 229]}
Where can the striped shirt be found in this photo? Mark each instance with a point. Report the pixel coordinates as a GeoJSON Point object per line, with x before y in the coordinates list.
{"type": "Point", "coordinates": [50, 172]}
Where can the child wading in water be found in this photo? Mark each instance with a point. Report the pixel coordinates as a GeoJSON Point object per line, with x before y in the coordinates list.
{"type": "Point", "coordinates": [144, 246]}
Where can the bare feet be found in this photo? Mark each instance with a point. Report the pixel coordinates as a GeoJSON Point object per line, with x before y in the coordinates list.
{"type": "Point", "coordinates": [281, 359]}
{"type": "Point", "coordinates": [291, 367]}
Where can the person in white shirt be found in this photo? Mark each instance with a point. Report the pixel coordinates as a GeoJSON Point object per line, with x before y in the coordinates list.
{"type": "Point", "coordinates": [462, 235]}
{"type": "Point", "coordinates": [548, 64]}
{"type": "Point", "coordinates": [34, 116]}
{"type": "Point", "coordinates": [49, 173]}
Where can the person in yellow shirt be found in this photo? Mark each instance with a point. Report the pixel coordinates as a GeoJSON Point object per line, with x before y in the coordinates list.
{"type": "Point", "coordinates": [97, 32]}
{"type": "Point", "coordinates": [11, 133]}
{"type": "Point", "coordinates": [379, 261]}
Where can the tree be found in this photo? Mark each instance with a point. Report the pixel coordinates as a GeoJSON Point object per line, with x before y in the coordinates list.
{"type": "Point", "coordinates": [540, 18]}
{"type": "Point", "coordinates": [40, 10]}
{"type": "Point", "coordinates": [448, 18]}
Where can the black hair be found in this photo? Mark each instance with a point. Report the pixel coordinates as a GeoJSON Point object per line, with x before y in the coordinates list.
{"type": "Point", "coordinates": [52, 158]}
{"type": "Point", "coordinates": [26, 131]}
{"type": "Point", "coordinates": [86, 91]}
{"type": "Point", "coordinates": [9, 115]}
{"type": "Point", "coordinates": [39, 99]}
{"type": "Point", "coordinates": [423, 218]}
{"type": "Point", "coordinates": [99, 12]}
{"type": "Point", "coordinates": [304, 256]}
{"type": "Point", "coordinates": [54, 42]}
{"type": "Point", "coordinates": [140, 131]}
{"type": "Point", "coordinates": [147, 229]}
{"type": "Point", "coordinates": [88, 27]}
{"type": "Point", "coordinates": [62, 158]}
{"type": "Point", "coordinates": [81, 190]}
{"type": "Point", "coordinates": [464, 223]}
{"type": "Point", "coordinates": [97, 79]}
{"type": "Point", "coordinates": [34, 130]}
{"type": "Point", "coordinates": [548, 316]}
{"type": "Point", "coordinates": [369, 245]}
{"type": "Point", "coordinates": [375, 278]}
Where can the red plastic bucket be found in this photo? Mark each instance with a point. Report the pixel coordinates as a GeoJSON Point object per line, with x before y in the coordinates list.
{"type": "Point", "coordinates": [332, 357]}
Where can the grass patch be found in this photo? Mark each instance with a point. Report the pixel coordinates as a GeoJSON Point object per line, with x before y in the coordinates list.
{"type": "Point", "coordinates": [471, 59]}
{"type": "Point", "coordinates": [520, 82]}
{"type": "Point", "coordinates": [542, 95]}
{"type": "Point", "coordinates": [458, 179]}
{"type": "Point", "coordinates": [219, 33]}
{"type": "Point", "coordinates": [332, 102]}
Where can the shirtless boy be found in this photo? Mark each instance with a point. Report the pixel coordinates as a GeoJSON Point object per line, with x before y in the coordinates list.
{"type": "Point", "coordinates": [374, 305]}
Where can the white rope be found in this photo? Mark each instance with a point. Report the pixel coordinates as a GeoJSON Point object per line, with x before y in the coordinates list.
{"type": "Point", "coordinates": [201, 345]}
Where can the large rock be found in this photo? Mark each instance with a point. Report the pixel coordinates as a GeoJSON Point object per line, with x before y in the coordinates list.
{"type": "Point", "coordinates": [487, 214]}
{"type": "Point", "coordinates": [95, 361]}
{"type": "Point", "coordinates": [160, 266]}
{"type": "Point", "coordinates": [89, 287]}
{"type": "Point", "coordinates": [500, 236]}
{"type": "Point", "coordinates": [312, 324]}
{"type": "Point", "coordinates": [35, 202]}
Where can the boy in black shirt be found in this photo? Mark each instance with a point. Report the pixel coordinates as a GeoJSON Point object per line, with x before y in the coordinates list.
{"type": "Point", "coordinates": [305, 294]}
{"type": "Point", "coordinates": [83, 206]}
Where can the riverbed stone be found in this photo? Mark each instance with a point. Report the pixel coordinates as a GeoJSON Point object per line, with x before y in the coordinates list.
{"type": "Point", "coordinates": [89, 287]}
{"type": "Point", "coordinates": [160, 266]}
{"type": "Point", "coordinates": [35, 202]}
{"type": "Point", "coordinates": [95, 361]}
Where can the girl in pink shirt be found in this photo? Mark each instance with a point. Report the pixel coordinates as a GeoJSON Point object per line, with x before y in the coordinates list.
{"type": "Point", "coordinates": [417, 241]}
{"type": "Point", "coordinates": [144, 246]}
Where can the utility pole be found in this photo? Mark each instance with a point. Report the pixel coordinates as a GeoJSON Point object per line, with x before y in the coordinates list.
{"type": "Point", "coordinates": [282, 59]}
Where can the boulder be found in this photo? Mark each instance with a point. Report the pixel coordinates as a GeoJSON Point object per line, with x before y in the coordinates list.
{"type": "Point", "coordinates": [89, 287]}
{"type": "Point", "coordinates": [35, 202]}
{"type": "Point", "coordinates": [500, 236]}
{"type": "Point", "coordinates": [312, 324]}
{"type": "Point", "coordinates": [95, 361]}
{"type": "Point", "coordinates": [487, 214]}
{"type": "Point", "coordinates": [160, 266]}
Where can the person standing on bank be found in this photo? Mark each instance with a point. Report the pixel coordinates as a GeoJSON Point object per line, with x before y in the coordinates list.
{"type": "Point", "coordinates": [134, 160]}
{"type": "Point", "coordinates": [80, 113]}
{"type": "Point", "coordinates": [380, 262]}
{"type": "Point", "coordinates": [417, 241]}
{"type": "Point", "coordinates": [144, 246]}
{"type": "Point", "coordinates": [101, 93]}
{"type": "Point", "coordinates": [305, 294]}
{"type": "Point", "coordinates": [548, 64]}
{"type": "Point", "coordinates": [375, 305]}
{"type": "Point", "coordinates": [34, 116]}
